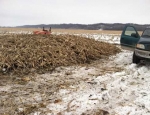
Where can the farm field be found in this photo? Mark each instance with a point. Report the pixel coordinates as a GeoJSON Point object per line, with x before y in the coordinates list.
{"type": "Point", "coordinates": [109, 86]}
{"type": "Point", "coordinates": [71, 31]}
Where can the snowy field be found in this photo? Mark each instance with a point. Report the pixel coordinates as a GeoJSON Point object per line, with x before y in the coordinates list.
{"type": "Point", "coordinates": [112, 86]}
{"type": "Point", "coordinates": [110, 38]}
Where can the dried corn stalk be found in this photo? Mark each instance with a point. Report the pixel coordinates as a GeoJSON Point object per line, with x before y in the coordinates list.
{"type": "Point", "coordinates": [22, 54]}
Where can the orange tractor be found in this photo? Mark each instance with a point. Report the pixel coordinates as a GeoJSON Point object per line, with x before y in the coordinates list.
{"type": "Point", "coordinates": [43, 31]}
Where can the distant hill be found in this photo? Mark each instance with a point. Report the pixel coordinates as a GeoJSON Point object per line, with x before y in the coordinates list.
{"type": "Point", "coordinates": [98, 26]}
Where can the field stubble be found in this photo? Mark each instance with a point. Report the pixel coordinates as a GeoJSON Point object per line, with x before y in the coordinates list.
{"type": "Point", "coordinates": [69, 31]}
{"type": "Point", "coordinates": [35, 53]}
{"type": "Point", "coordinates": [23, 54]}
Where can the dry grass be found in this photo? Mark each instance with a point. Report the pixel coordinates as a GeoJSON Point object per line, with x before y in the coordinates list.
{"type": "Point", "coordinates": [70, 31]}
{"type": "Point", "coordinates": [80, 31]}
{"type": "Point", "coordinates": [36, 53]}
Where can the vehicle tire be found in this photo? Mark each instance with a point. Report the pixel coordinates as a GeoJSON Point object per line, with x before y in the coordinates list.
{"type": "Point", "coordinates": [135, 59]}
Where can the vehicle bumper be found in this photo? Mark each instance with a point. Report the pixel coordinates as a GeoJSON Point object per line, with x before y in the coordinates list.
{"type": "Point", "coordinates": [142, 54]}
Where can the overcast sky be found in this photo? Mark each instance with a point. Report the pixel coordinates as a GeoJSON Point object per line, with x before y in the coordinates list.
{"type": "Point", "coordinates": [27, 12]}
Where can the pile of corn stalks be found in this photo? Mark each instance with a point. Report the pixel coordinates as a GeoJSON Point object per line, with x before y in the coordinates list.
{"type": "Point", "coordinates": [25, 54]}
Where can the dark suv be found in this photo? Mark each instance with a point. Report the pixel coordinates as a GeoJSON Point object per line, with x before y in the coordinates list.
{"type": "Point", "coordinates": [141, 44]}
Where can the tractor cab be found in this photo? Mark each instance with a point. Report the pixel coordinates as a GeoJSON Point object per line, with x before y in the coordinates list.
{"type": "Point", "coordinates": [47, 30]}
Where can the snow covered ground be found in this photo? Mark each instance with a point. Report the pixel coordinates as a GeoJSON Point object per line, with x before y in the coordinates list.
{"type": "Point", "coordinates": [123, 88]}
{"type": "Point", "coordinates": [110, 38]}
{"type": "Point", "coordinates": [123, 93]}
{"type": "Point", "coordinates": [113, 85]}
{"type": "Point", "coordinates": [15, 32]}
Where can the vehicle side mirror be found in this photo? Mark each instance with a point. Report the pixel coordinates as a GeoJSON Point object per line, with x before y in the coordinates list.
{"type": "Point", "coordinates": [134, 35]}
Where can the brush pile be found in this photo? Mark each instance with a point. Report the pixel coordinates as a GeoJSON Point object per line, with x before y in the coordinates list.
{"type": "Point", "coordinates": [24, 54]}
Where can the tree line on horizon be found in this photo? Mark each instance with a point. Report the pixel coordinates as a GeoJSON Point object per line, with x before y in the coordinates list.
{"type": "Point", "coordinates": [98, 26]}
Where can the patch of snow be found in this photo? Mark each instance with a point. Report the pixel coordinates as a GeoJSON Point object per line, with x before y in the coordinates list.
{"type": "Point", "coordinates": [125, 93]}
